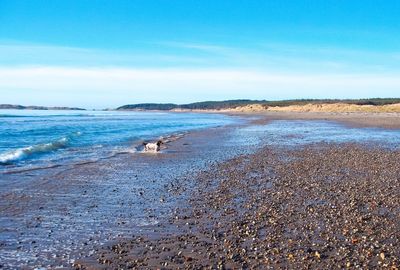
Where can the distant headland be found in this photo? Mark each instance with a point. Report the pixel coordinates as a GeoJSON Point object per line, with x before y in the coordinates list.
{"type": "Point", "coordinates": [20, 107]}
{"type": "Point", "coordinates": [298, 105]}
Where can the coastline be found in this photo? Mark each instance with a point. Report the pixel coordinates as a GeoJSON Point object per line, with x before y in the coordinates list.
{"type": "Point", "coordinates": [55, 215]}
{"type": "Point", "coordinates": [118, 205]}
{"type": "Point", "coordinates": [387, 120]}
{"type": "Point", "coordinates": [200, 135]}
{"type": "Point", "coordinates": [351, 119]}
{"type": "Point", "coordinates": [320, 205]}
{"type": "Point", "coordinates": [323, 206]}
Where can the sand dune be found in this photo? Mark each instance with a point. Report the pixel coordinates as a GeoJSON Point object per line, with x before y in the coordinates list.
{"type": "Point", "coordinates": [335, 107]}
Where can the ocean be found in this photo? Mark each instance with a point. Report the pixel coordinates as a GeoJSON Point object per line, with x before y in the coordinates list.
{"type": "Point", "coordinates": [34, 139]}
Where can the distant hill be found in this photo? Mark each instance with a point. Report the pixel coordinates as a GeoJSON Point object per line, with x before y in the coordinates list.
{"type": "Point", "coordinates": [20, 107]}
{"type": "Point", "coordinates": [204, 105]}
{"type": "Point", "coordinates": [149, 106]}
{"type": "Point", "coordinates": [228, 104]}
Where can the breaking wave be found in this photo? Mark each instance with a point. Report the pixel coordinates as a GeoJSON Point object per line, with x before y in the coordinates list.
{"type": "Point", "coordinates": [26, 152]}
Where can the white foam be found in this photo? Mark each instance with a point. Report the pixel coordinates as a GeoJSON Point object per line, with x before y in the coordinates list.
{"type": "Point", "coordinates": [24, 152]}
{"type": "Point", "coordinates": [130, 150]}
{"type": "Point", "coordinates": [13, 155]}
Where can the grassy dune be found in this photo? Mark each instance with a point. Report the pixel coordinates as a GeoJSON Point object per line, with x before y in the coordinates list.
{"type": "Point", "coordinates": [299, 105]}
{"type": "Point", "coordinates": [334, 107]}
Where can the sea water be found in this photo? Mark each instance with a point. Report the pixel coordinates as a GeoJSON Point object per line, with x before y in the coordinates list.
{"type": "Point", "coordinates": [298, 133]}
{"type": "Point", "coordinates": [31, 139]}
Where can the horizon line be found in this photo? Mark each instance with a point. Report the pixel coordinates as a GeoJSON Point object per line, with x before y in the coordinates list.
{"type": "Point", "coordinates": [339, 100]}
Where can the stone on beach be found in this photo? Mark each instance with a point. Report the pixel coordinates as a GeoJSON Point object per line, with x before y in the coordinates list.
{"type": "Point", "coordinates": [321, 206]}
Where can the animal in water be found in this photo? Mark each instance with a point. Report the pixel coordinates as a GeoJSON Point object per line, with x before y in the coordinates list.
{"type": "Point", "coordinates": [152, 147]}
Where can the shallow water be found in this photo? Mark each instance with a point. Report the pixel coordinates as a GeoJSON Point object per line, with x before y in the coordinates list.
{"type": "Point", "coordinates": [46, 138]}
{"type": "Point", "coordinates": [292, 133]}
{"type": "Point", "coordinates": [49, 217]}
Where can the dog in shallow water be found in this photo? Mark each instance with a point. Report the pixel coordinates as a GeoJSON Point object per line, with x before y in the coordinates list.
{"type": "Point", "coordinates": [152, 147]}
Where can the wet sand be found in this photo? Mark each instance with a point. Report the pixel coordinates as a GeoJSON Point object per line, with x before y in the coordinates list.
{"type": "Point", "coordinates": [50, 217]}
{"type": "Point", "coordinates": [323, 207]}
{"type": "Point", "coordinates": [352, 119]}
{"type": "Point", "coordinates": [316, 206]}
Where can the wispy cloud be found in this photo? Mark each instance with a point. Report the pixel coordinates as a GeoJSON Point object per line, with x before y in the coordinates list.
{"type": "Point", "coordinates": [195, 46]}
{"type": "Point", "coordinates": [272, 56]}
{"type": "Point", "coordinates": [292, 57]}
{"type": "Point", "coordinates": [37, 54]}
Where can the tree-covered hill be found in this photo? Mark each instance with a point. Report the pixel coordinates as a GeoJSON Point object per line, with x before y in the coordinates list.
{"type": "Point", "coordinates": [227, 104]}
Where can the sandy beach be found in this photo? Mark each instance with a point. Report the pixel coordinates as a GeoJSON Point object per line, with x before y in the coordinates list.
{"type": "Point", "coordinates": [352, 119]}
{"type": "Point", "coordinates": [387, 116]}
{"type": "Point", "coordinates": [314, 206]}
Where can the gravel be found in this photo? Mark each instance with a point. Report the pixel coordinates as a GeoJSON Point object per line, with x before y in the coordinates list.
{"type": "Point", "coordinates": [322, 206]}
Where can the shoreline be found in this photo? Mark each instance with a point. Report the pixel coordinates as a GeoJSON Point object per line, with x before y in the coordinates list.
{"type": "Point", "coordinates": [386, 120]}
{"type": "Point", "coordinates": [321, 205]}
{"type": "Point", "coordinates": [58, 214]}
{"type": "Point", "coordinates": [279, 208]}
{"type": "Point", "coordinates": [88, 207]}
{"type": "Point", "coordinates": [351, 119]}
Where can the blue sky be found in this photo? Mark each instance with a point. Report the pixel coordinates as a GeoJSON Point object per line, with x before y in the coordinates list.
{"type": "Point", "coordinates": [98, 54]}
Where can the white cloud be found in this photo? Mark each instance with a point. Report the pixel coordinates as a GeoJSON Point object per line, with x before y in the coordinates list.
{"type": "Point", "coordinates": [105, 87]}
